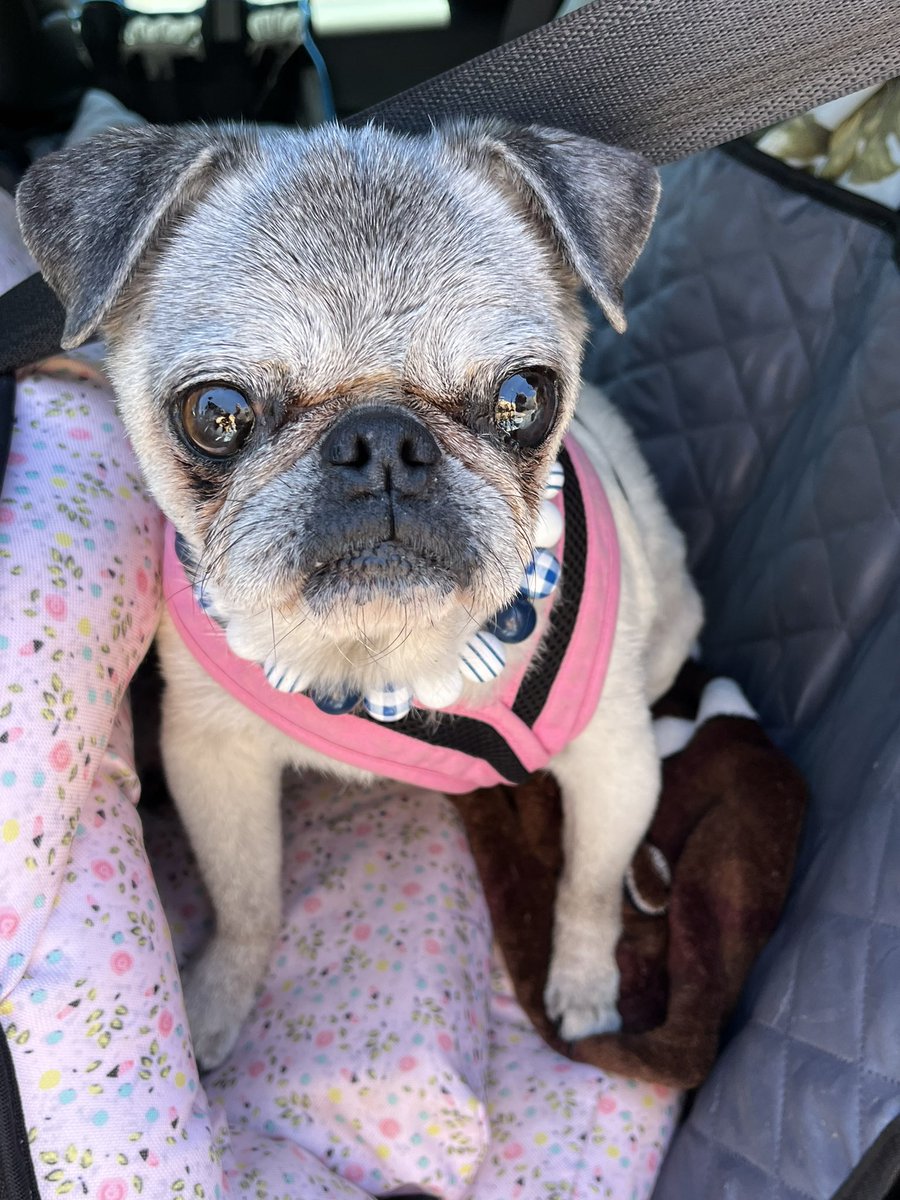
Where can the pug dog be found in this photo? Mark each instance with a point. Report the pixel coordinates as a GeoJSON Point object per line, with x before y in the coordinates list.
{"type": "Point", "coordinates": [357, 301]}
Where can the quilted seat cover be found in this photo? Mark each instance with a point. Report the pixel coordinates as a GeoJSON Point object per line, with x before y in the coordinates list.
{"type": "Point", "coordinates": [761, 370]}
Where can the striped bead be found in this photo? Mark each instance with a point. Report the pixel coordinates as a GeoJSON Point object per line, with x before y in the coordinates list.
{"type": "Point", "coordinates": [482, 658]}
{"type": "Point", "coordinates": [284, 678]}
{"type": "Point", "coordinates": [555, 481]}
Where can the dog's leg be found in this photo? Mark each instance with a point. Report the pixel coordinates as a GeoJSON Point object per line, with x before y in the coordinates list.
{"type": "Point", "coordinates": [228, 798]}
{"type": "Point", "coordinates": [609, 778]}
{"type": "Point", "coordinates": [225, 781]}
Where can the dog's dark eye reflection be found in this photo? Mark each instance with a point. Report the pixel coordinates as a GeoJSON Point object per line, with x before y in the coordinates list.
{"type": "Point", "coordinates": [525, 407]}
{"type": "Point", "coordinates": [217, 420]}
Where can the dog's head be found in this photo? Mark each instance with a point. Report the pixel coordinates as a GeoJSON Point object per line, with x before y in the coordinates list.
{"type": "Point", "coordinates": [346, 360]}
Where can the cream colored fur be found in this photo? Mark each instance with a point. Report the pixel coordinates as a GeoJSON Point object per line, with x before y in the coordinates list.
{"type": "Point", "coordinates": [225, 765]}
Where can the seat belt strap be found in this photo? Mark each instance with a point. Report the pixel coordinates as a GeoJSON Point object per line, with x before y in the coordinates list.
{"type": "Point", "coordinates": [666, 77]}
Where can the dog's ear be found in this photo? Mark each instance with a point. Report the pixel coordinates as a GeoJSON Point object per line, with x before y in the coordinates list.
{"type": "Point", "coordinates": [90, 212]}
{"type": "Point", "coordinates": [597, 201]}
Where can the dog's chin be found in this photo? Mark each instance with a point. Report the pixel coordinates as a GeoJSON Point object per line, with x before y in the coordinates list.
{"type": "Point", "coordinates": [385, 612]}
{"type": "Point", "coordinates": [390, 583]}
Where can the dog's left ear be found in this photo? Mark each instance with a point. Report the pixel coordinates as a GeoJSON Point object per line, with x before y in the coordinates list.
{"type": "Point", "coordinates": [597, 201]}
{"type": "Point", "coordinates": [90, 212]}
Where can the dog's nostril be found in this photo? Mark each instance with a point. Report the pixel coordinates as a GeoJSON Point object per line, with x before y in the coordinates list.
{"type": "Point", "coordinates": [348, 450]}
{"type": "Point", "coordinates": [416, 451]}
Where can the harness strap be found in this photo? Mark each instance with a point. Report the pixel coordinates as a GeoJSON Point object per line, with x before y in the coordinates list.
{"type": "Point", "coordinates": [535, 688]}
{"type": "Point", "coordinates": [478, 739]}
{"type": "Point", "coordinates": [505, 738]}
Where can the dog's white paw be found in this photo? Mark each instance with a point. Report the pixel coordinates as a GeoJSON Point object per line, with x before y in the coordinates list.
{"type": "Point", "coordinates": [219, 991]}
{"type": "Point", "coordinates": [583, 984]}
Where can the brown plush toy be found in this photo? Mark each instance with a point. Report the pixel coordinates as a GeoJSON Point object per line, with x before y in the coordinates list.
{"type": "Point", "coordinates": [702, 897]}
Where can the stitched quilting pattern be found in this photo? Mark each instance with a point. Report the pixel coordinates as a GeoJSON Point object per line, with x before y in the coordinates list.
{"type": "Point", "coordinates": [761, 370]}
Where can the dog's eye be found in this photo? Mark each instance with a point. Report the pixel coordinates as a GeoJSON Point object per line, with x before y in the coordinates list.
{"type": "Point", "coordinates": [217, 420]}
{"type": "Point", "coordinates": [525, 407]}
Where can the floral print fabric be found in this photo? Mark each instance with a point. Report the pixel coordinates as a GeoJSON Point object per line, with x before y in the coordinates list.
{"type": "Point", "coordinates": [853, 142]}
{"type": "Point", "coordinates": [386, 1040]}
{"type": "Point", "coordinates": [386, 1049]}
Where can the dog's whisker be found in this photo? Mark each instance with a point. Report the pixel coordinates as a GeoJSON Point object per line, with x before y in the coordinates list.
{"type": "Point", "coordinates": [293, 629]}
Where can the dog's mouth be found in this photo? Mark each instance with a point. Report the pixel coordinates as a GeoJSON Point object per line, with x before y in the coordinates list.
{"type": "Point", "coordinates": [386, 571]}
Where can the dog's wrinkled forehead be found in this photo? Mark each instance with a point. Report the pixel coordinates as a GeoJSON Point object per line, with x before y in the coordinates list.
{"type": "Point", "coordinates": [343, 212]}
{"type": "Point", "coordinates": [349, 256]}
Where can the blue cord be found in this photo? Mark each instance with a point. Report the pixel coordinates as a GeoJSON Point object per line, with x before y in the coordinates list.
{"type": "Point", "coordinates": [317, 60]}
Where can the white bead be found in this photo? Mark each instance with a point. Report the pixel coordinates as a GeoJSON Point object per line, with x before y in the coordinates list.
{"type": "Point", "coordinates": [390, 703]}
{"type": "Point", "coordinates": [555, 481]}
{"type": "Point", "coordinates": [439, 693]}
{"type": "Point", "coordinates": [483, 657]}
{"type": "Point", "coordinates": [283, 677]}
{"type": "Point", "coordinates": [549, 528]}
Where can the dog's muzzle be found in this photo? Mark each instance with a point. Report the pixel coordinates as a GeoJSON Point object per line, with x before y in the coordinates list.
{"type": "Point", "coordinates": [386, 523]}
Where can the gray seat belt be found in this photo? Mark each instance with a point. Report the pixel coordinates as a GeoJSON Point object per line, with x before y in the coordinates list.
{"type": "Point", "coordinates": [667, 77]}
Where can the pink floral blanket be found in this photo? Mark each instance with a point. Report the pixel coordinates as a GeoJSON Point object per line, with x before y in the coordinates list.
{"type": "Point", "coordinates": [386, 1053]}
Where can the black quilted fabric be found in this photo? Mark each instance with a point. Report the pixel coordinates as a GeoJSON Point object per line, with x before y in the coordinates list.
{"type": "Point", "coordinates": [761, 371]}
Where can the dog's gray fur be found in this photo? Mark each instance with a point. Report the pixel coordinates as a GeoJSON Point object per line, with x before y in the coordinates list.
{"type": "Point", "coordinates": [321, 271]}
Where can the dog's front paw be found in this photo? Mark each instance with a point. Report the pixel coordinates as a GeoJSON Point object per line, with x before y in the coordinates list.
{"type": "Point", "coordinates": [219, 989]}
{"type": "Point", "coordinates": [583, 983]}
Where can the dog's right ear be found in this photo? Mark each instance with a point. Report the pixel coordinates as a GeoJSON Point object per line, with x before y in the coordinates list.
{"type": "Point", "coordinates": [89, 213]}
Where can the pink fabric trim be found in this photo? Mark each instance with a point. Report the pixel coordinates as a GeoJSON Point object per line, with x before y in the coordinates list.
{"type": "Point", "coordinates": [387, 752]}
{"type": "Point", "coordinates": [577, 688]}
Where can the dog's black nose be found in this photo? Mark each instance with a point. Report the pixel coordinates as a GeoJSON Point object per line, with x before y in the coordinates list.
{"type": "Point", "coordinates": [382, 449]}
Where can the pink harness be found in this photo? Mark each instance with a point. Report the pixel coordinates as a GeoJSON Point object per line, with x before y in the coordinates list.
{"type": "Point", "coordinates": [537, 712]}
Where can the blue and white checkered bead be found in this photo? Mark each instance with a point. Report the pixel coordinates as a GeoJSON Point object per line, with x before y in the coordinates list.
{"type": "Point", "coordinates": [555, 481]}
{"type": "Point", "coordinates": [390, 703]}
{"type": "Point", "coordinates": [482, 658]}
{"type": "Point", "coordinates": [541, 575]}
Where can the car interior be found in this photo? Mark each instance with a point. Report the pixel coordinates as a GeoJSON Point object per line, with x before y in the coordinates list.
{"type": "Point", "coordinates": [759, 373]}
